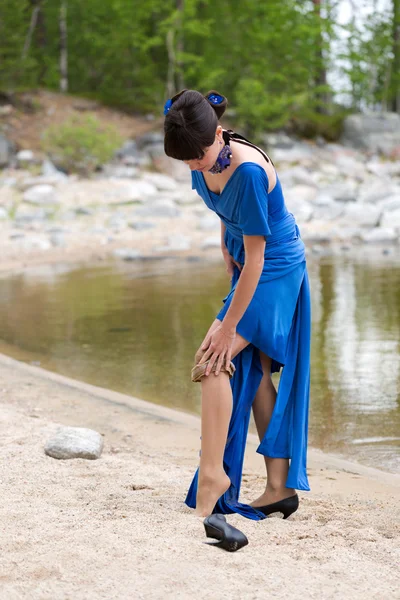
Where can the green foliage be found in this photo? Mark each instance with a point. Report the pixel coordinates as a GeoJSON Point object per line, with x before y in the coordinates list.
{"type": "Point", "coordinates": [81, 143]}
{"type": "Point", "coordinates": [269, 58]}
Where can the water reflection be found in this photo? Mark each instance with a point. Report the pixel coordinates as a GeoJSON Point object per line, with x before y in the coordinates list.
{"type": "Point", "coordinates": [136, 332]}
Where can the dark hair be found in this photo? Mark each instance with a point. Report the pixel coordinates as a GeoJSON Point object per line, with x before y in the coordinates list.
{"type": "Point", "coordinates": [190, 124]}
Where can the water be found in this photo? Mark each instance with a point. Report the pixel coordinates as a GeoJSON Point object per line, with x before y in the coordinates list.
{"type": "Point", "coordinates": [135, 329]}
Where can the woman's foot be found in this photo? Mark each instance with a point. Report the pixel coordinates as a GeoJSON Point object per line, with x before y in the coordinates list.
{"type": "Point", "coordinates": [271, 496]}
{"type": "Point", "coordinates": [210, 488]}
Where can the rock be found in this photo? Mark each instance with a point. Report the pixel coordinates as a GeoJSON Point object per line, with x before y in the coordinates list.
{"type": "Point", "coordinates": [187, 196]}
{"type": "Point", "coordinates": [139, 191]}
{"type": "Point", "coordinates": [120, 171]}
{"type": "Point", "coordinates": [375, 191]}
{"type": "Point", "coordinates": [176, 243]}
{"type": "Point", "coordinates": [129, 149]}
{"type": "Point", "coordinates": [374, 132]}
{"type": "Point", "coordinates": [164, 183]}
{"type": "Point", "coordinates": [298, 201]}
{"type": "Point", "coordinates": [35, 243]}
{"type": "Point", "coordinates": [211, 242]}
{"type": "Point", "coordinates": [361, 215]}
{"type": "Point", "coordinates": [40, 194]}
{"type": "Point", "coordinates": [27, 214]}
{"type": "Point", "coordinates": [391, 219]}
{"type": "Point", "coordinates": [127, 254]}
{"type": "Point", "coordinates": [84, 210]}
{"type": "Point", "coordinates": [3, 213]}
{"type": "Point", "coordinates": [149, 139]}
{"type": "Point", "coordinates": [380, 235]}
{"type": "Point", "coordinates": [159, 208]}
{"type": "Point", "coordinates": [350, 167]}
{"type": "Point", "coordinates": [297, 175]}
{"type": "Point", "coordinates": [50, 180]}
{"type": "Point", "coordinates": [341, 192]}
{"type": "Point", "coordinates": [328, 212]}
{"type": "Point", "coordinates": [75, 442]}
{"type": "Point", "coordinates": [299, 152]}
{"type": "Point", "coordinates": [5, 151]}
{"type": "Point", "coordinates": [278, 139]}
{"type": "Point", "coordinates": [58, 240]}
{"type": "Point", "coordinates": [209, 222]}
{"type": "Point", "coordinates": [25, 156]}
{"type": "Point", "coordinates": [140, 225]}
{"type": "Point", "coordinates": [51, 171]}
{"type": "Point", "coordinates": [390, 203]}
{"type": "Point", "coordinates": [383, 169]}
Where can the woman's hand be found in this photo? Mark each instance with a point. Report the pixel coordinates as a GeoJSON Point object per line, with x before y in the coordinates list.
{"type": "Point", "coordinates": [230, 263]}
{"type": "Point", "coordinates": [218, 348]}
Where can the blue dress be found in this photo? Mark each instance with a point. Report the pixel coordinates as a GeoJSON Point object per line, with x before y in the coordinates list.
{"type": "Point", "coordinates": [277, 322]}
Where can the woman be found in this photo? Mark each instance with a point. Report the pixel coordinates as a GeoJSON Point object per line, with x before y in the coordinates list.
{"type": "Point", "coordinates": [264, 324]}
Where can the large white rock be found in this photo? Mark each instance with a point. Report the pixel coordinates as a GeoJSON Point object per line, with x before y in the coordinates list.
{"type": "Point", "coordinates": [41, 194]}
{"type": "Point", "coordinates": [25, 156]}
{"type": "Point", "coordinates": [162, 182]}
{"type": "Point", "coordinates": [375, 191]}
{"type": "Point", "coordinates": [159, 208]}
{"type": "Point", "coordinates": [391, 202]}
{"type": "Point", "coordinates": [361, 215]}
{"type": "Point", "coordinates": [380, 235]}
{"type": "Point", "coordinates": [75, 442]}
{"type": "Point", "coordinates": [391, 219]}
{"type": "Point", "coordinates": [209, 222]}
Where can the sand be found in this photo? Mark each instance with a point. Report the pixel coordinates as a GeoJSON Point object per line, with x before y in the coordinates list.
{"type": "Point", "coordinates": [117, 528]}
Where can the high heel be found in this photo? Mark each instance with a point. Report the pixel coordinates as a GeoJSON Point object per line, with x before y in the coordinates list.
{"type": "Point", "coordinates": [229, 538]}
{"type": "Point", "coordinates": [287, 507]}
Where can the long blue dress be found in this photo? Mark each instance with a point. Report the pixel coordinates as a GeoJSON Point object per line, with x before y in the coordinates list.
{"type": "Point", "coordinates": [277, 322]}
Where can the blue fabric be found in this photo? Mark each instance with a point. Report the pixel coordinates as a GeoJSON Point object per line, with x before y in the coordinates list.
{"type": "Point", "coordinates": [277, 322]}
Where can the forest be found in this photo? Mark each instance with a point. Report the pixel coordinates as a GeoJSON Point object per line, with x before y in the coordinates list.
{"type": "Point", "coordinates": [281, 63]}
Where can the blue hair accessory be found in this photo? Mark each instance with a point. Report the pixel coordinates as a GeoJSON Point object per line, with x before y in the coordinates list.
{"type": "Point", "coordinates": [167, 106]}
{"type": "Point", "coordinates": [215, 98]}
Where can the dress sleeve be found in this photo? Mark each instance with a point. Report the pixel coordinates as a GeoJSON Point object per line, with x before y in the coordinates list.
{"type": "Point", "coordinates": [253, 209]}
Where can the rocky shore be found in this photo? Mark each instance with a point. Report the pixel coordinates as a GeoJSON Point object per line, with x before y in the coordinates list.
{"type": "Point", "coordinates": [142, 205]}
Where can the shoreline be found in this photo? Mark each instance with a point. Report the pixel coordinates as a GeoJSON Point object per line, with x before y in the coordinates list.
{"type": "Point", "coordinates": [117, 528]}
{"type": "Point", "coordinates": [189, 420]}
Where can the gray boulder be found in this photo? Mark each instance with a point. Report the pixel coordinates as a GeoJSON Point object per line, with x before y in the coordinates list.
{"type": "Point", "coordinates": [374, 132]}
{"type": "Point", "coordinates": [75, 442]}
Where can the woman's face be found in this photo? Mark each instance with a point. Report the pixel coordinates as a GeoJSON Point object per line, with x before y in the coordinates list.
{"type": "Point", "coordinates": [210, 154]}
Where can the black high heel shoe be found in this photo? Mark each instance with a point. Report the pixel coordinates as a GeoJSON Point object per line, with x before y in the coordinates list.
{"type": "Point", "coordinates": [287, 507]}
{"type": "Point", "coordinates": [229, 538]}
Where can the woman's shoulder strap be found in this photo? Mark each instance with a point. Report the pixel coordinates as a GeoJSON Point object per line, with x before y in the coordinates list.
{"type": "Point", "coordinates": [237, 137]}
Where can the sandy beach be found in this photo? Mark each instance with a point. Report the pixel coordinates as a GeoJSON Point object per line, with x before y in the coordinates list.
{"type": "Point", "coordinates": [117, 528]}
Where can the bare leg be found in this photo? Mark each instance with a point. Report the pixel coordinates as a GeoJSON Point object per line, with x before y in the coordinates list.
{"type": "Point", "coordinates": [277, 468]}
{"type": "Point", "coordinates": [216, 410]}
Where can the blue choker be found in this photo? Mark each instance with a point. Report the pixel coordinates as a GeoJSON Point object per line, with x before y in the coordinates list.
{"type": "Point", "coordinates": [223, 161]}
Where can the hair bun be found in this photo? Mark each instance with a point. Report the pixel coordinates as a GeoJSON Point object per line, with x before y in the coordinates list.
{"type": "Point", "coordinates": [217, 101]}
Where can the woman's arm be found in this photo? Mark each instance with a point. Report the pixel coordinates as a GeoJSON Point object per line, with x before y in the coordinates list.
{"type": "Point", "coordinates": [218, 343]}
{"type": "Point", "coordinates": [246, 286]}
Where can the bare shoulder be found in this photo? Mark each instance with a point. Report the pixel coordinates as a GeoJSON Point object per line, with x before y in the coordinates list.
{"type": "Point", "coordinates": [247, 154]}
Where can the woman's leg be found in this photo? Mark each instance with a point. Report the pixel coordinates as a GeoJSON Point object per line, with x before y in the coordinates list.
{"type": "Point", "coordinates": [277, 468]}
{"type": "Point", "coordinates": [216, 410]}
